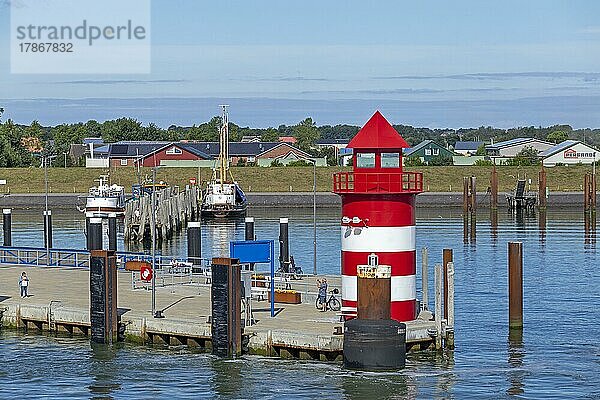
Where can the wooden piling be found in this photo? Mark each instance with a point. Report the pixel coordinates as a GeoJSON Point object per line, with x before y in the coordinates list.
{"type": "Point", "coordinates": [425, 277]}
{"type": "Point", "coordinates": [103, 297]}
{"type": "Point", "coordinates": [586, 190]}
{"type": "Point", "coordinates": [447, 258]}
{"type": "Point", "coordinates": [542, 201]}
{"type": "Point", "coordinates": [226, 303]}
{"type": "Point", "coordinates": [473, 203]}
{"type": "Point", "coordinates": [438, 306]}
{"type": "Point", "coordinates": [515, 285]}
{"type": "Point", "coordinates": [494, 189]}
{"type": "Point", "coordinates": [373, 292]}
{"type": "Point", "coordinates": [450, 323]}
{"type": "Point", "coordinates": [465, 195]}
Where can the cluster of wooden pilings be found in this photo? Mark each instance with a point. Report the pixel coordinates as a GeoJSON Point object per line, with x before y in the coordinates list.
{"type": "Point", "coordinates": [173, 209]}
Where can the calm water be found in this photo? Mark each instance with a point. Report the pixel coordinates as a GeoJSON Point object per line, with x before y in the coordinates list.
{"type": "Point", "coordinates": [558, 355]}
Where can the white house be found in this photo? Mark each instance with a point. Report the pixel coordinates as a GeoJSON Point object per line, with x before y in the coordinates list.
{"type": "Point", "coordinates": [466, 148]}
{"type": "Point", "coordinates": [511, 148]}
{"type": "Point", "coordinates": [570, 152]}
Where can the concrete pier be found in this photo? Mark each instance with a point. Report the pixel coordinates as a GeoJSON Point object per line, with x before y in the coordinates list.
{"type": "Point", "coordinates": [60, 303]}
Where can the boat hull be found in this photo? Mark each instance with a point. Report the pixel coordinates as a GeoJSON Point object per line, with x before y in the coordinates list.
{"type": "Point", "coordinates": [234, 212]}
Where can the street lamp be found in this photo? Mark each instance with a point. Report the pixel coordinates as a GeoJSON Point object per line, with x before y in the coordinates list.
{"type": "Point", "coordinates": [45, 159]}
{"type": "Point", "coordinates": [155, 313]}
{"type": "Point", "coordinates": [314, 163]}
{"type": "Point", "coordinates": [65, 154]}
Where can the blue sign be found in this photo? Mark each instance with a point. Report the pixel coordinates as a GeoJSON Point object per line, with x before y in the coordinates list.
{"type": "Point", "coordinates": [256, 251]}
{"type": "Point", "coordinates": [252, 251]}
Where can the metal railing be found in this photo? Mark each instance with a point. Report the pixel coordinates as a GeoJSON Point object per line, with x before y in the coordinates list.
{"type": "Point", "coordinates": [378, 182]}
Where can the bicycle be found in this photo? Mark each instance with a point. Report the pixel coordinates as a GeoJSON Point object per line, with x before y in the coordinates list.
{"type": "Point", "coordinates": [332, 303]}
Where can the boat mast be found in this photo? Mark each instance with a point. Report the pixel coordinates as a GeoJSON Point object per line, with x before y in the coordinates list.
{"type": "Point", "coordinates": [224, 146]}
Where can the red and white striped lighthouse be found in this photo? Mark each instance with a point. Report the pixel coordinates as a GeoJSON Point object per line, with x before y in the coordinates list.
{"type": "Point", "coordinates": [378, 214]}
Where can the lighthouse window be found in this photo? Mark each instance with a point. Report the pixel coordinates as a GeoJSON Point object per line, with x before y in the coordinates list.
{"type": "Point", "coordinates": [365, 160]}
{"type": "Point", "coordinates": [390, 160]}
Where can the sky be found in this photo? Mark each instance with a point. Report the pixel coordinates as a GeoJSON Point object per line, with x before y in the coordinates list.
{"type": "Point", "coordinates": [423, 63]}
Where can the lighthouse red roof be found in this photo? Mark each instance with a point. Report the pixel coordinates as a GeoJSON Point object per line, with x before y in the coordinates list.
{"type": "Point", "coordinates": [378, 133]}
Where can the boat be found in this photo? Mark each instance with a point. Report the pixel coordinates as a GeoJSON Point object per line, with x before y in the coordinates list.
{"type": "Point", "coordinates": [223, 197]}
{"type": "Point", "coordinates": [105, 199]}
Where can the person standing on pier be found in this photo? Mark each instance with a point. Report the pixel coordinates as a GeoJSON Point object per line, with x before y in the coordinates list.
{"type": "Point", "coordinates": [322, 284]}
{"type": "Point", "coordinates": [24, 284]}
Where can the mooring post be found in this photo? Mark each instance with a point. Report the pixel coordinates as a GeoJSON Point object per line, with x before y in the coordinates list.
{"type": "Point", "coordinates": [7, 226]}
{"type": "Point", "coordinates": [438, 306]}
{"type": "Point", "coordinates": [473, 195]}
{"type": "Point", "coordinates": [450, 324]}
{"type": "Point", "coordinates": [593, 190]}
{"type": "Point", "coordinates": [226, 300]}
{"type": "Point", "coordinates": [515, 285]}
{"type": "Point", "coordinates": [103, 295]}
{"type": "Point", "coordinates": [284, 245]}
{"type": "Point", "coordinates": [112, 232]}
{"type": "Point", "coordinates": [249, 228]}
{"type": "Point", "coordinates": [249, 233]}
{"type": "Point", "coordinates": [194, 243]}
{"type": "Point", "coordinates": [494, 189]}
{"type": "Point", "coordinates": [542, 201]}
{"type": "Point", "coordinates": [447, 258]}
{"type": "Point", "coordinates": [48, 229]}
{"type": "Point", "coordinates": [425, 277]}
{"type": "Point", "coordinates": [95, 234]}
{"type": "Point", "coordinates": [586, 194]}
{"type": "Point", "coordinates": [465, 195]}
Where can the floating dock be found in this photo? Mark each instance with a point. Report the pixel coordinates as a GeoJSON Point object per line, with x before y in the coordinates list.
{"type": "Point", "coordinates": [59, 303]}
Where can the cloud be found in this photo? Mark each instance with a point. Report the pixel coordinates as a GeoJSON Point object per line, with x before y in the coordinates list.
{"type": "Point", "coordinates": [496, 76]}
{"type": "Point", "coordinates": [115, 82]}
{"type": "Point", "coordinates": [590, 30]}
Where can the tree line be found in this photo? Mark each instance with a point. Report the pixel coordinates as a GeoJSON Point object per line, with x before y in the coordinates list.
{"type": "Point", "coordinates": [21, 145]}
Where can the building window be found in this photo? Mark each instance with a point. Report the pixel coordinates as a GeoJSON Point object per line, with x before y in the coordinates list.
{"type": "Point", "coordinates": [390, 160]}
{"type": "Point", "coordinates": [365, 160]}
{"type": "Point", "coordinates": [174, 150]}
{"type": "Point", "coordinates": [124, 161]}
{"type": "Point", "coordinates": [427, 152]}
{"type": "Point", "coordinates": [436, 152]}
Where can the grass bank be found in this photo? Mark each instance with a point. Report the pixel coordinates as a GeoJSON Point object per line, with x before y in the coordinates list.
{"type": "Point", "coordinates": [282, 179]}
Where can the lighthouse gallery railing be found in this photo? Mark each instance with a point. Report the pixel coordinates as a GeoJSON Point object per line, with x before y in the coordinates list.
{"type": "Point", "coordinates": [378, 182]}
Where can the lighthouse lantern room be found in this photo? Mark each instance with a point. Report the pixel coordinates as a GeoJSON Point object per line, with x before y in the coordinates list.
{"type": "Point", "coordinates": [378, 214]}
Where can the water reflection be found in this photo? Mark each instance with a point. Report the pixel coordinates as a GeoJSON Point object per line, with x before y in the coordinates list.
{"type": "Point", "coordinates": [516, 354]}
{"type": "Point", "coordinates": [542, 226]}
{"type": "Point", "coordinates": [218, 233]}
{"type": "Point", "coordinates": [589, 225]}
{"type": "Point", "coordinates": [103, 370]}
{"type": "Point", "coordinates": [494, 225]}
{"type": "Point", "coordinates": [381, 386]}
{"type": "Point", "coordinates": [227, 380]}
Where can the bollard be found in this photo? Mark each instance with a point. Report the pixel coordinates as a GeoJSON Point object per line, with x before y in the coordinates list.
{"type": "Point", "coordinates": [95, 234]}
{"type": "Point", "coordinates": [284, 245]}
{"type": "Point", "coordinates": [438, 305]}
{"type": "Point", "coordinates": [425, 277]}
{"type": "Point", "coordinates": [112, 232]}
{"type": "Point", "coordinates": [515, 285]}
{"type": "Point", "coordinates": [226, 300]}
{"type": "Point", "coordinates": [194, 243]}
{"type": "Point", "coordinates": [542, 201]}
{"type": "Point", "coordinates": [450, 323]}
{"type": "Point", "coordinates": [7, 226]}
{"type": "Point", "coordinates": [494, 189]}
{"type": "Point", "coordinates": [48, 229]}
{"type": "Point", "coordinates": [447, 258]}
{"type": "Point", "coordinates": [249, 225]}
{"type": "Point", "coordinates": [103, 295]}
